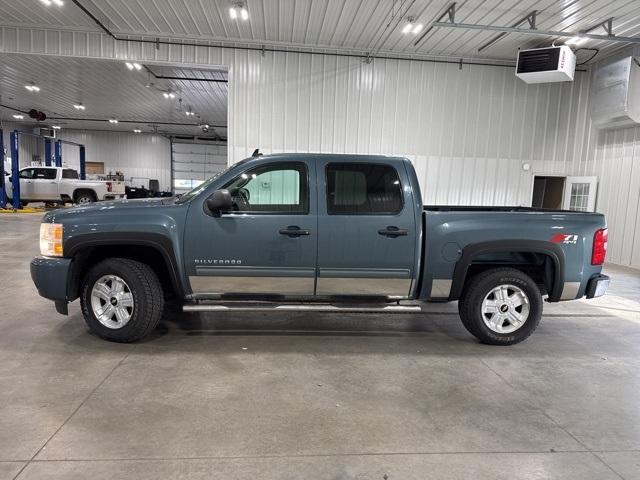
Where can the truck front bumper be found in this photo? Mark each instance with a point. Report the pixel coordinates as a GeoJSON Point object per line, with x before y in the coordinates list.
{"type": "Point", "coordinates": [51, 277]}
{"type": "Point", "coordinates": [597, 286]}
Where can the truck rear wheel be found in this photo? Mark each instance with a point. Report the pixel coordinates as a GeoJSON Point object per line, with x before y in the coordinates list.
{"type": "Point", "coordinates": [502, 306]}
{"type": "Point", "coordinates": [85, 197]}
{"type": "Point", "coordinates": [122, 300]}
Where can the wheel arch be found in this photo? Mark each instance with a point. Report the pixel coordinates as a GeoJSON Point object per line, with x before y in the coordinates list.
{"type": "Point", "coordinates": [472, 255]}
{"type": "Point", "coordinates": [153, 249]}
{"type": "Point", "coordinates": [77, 191]}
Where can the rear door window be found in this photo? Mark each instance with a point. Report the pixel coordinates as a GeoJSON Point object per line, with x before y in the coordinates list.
{"type": "Point", "coordinates": [72, 174]}
{"type": "Point", "coordinates": [45, 174]}
{"type": "Point", "coordinates": [363, 189]}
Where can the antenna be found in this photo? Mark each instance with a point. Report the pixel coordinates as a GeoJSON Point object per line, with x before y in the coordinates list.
{"type": "Point", "coordinates": [256, 153]}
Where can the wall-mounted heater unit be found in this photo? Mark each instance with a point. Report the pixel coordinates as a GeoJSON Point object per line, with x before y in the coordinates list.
{"type": "Point", "coordinates": [44, 132]}
{"type": "Point", "coordinates": [546, 65]}
{"type": "Point", "coordinates": [615, 94]}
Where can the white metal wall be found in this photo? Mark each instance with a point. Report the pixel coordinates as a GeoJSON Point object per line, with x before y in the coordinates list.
{"type": "Point", "coordinates": [614, 157]}
{"type": "Point", "coordinates": [467, 130]}
{"type": "Point", "coordinates": [139, 156]}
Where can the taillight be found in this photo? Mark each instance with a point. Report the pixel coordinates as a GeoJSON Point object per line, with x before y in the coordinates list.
{"type": "Point", "coordinates": [599, 246]}
{"type": "Point", "coordinates": [109, 187]}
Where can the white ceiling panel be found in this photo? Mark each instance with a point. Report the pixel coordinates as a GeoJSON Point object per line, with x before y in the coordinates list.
{"type": "Point", "coordinates": [109, 90]}
{"type": "Point", "coordinates": [348, 26]}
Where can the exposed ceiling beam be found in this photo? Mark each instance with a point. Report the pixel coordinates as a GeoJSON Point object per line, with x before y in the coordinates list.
{"type": "Point", "coordinates": [530, 31]}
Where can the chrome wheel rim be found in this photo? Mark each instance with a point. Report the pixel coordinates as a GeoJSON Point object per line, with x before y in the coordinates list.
{"type": "Point", "coordinates": [112, 301]}
{"type": "Point", "coordinates": [505, 309]}
{"type": "Point", "coordinates": [84, 199]}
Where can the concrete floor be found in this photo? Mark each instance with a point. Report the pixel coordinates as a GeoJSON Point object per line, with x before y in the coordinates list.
{"type": "Point", "coordinates": [330, 396]}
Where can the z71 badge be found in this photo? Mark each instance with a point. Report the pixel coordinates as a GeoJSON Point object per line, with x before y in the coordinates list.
{"type": "Point", "coordinates": [565, 239]}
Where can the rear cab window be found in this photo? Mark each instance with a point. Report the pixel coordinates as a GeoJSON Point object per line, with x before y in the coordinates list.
{"type": "Point", "coordinates": [44, 173]}
{"type": "Point", "coordinates": [363, 189]}
{"type": "Point", "coordinates": [71, 174]}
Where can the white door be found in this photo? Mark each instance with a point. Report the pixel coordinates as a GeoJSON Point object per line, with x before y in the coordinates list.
{"type": "Point", "coordinates": [580, 194]}
{"type": "Point", "coordinates": [45, 185]}
{"type": "Point", "coordinates": [27, 189]}
{"type": "Point", "coordinates": [193, 163]}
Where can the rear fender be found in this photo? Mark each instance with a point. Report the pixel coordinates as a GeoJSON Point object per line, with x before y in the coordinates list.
{"type": "Point", "coordinates": [470, 252]}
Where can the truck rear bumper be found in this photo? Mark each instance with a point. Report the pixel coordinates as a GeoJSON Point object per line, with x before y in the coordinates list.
{"type": "Point", "coordinates": [51, 277]}
{"type": "Point", "coordinates": [597, 286]}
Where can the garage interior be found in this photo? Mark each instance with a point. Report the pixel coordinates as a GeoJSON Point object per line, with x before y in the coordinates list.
{"type": "Point", "coordinates": [163, 94]}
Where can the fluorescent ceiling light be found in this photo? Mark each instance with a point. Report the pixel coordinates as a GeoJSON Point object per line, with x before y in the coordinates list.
{"type": "Point", "coordinates": [137, 66]}
{"type": "Point", "coordinates": [189, 113]}
{"type": "Point", "coordinates": [78, 106]}
{"type": "Point", "coordinates": [46, 2]}
{"type": "Point", "coordinates": [417, 29]}
{"type": "Point", "coordinates": [113, 120]}
{"type": "Point", "coordinates": [129, 65]}
{"type": "Point", "coordinates": [18, 117]}
{"type": "Point", "coordinates": [32, 88]}
{"type": "Point", "coordinates": [244, 14]}
{"type": "Point", "coordinates": [576, 41]}
{"type": "Point", "coordinates": [233, 13]}
{"type": "Point", "coordinates": [58, 2]}
{"type": "Point", "coordinates": [56, 127]}
{"type": "Point", "coordinates": [407, 28]}
{"type": "Point", "coordinates": [137, 130]}
{"type": "Point", "coordinates": [168, 95]}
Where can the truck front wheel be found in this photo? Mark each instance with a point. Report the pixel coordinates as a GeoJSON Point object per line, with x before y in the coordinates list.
{"type": "Point", "coordinates": [122, 300]}
{"type": "Point", "coordinates": [502, 306]}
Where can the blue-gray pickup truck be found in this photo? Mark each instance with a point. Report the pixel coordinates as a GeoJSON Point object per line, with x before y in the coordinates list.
{"type": "Point", "coordinates": [316, 233]}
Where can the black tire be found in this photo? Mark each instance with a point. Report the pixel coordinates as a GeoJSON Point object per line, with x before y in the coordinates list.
{"type": "Point", "coordinates": [145, 288]}
{"type": "Point", "coordinates": [478, 287]}
{"type": "Point", "coordinates": [85, 197]}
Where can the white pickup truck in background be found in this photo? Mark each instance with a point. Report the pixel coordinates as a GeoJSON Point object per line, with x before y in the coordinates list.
{"type": "Point", "coordinates": [62, 185]}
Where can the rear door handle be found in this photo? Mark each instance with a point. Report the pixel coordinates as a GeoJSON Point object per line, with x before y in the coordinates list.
{"type": "Point", "coordinates": [293, 231]}
{"type": "Point", "coordinates": [393, 232]}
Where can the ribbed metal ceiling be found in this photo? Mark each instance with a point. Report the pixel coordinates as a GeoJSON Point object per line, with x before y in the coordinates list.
{"type": "Point", "coordinates": [342, 25]}
{"type": "Point", "coordinates": [109, 90]}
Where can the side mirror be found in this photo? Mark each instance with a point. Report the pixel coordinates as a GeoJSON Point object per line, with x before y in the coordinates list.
{"type": "Point", "coordinates": [218, 202]}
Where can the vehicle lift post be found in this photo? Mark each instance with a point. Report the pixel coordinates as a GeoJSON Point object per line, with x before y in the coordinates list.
{"type": "Point", "coordinates": [83, 156]}
{"type": "Point", "coordinates": [3, 202]}
{"type": "Point", "coordinates": [58, 153]}
{"type": "Point", "coordinates": [47, 152]}
{"type": "Point", "coordinates": [15, 167]}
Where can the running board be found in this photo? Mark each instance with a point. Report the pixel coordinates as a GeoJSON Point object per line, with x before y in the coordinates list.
{"type": "Point", "coordinates": [300, 308]}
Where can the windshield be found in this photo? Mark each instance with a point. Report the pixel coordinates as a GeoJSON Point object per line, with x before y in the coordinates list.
{"type": "Point", "coordinates": [200, 188]}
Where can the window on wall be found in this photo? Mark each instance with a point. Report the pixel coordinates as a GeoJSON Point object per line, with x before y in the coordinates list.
{"type": "Point", "coordinates": [579, 200]}
{"type": "Point", "coordinates": [363, 189]}
{"type": "Point", "coordinates": [276, 188]}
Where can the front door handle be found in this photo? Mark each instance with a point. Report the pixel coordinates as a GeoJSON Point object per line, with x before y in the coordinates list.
{"type": "Point", "coordinates": [393, 232]}
{"type": "Point", "coordinates": [293, 231]}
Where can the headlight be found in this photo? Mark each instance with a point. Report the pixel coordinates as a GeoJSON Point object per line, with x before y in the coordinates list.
{"type": "Point", "coordinates": [51, 239]}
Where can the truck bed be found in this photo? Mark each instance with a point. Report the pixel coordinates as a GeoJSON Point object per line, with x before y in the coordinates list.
{"type": "Point", "coordinates": [473, 208]}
